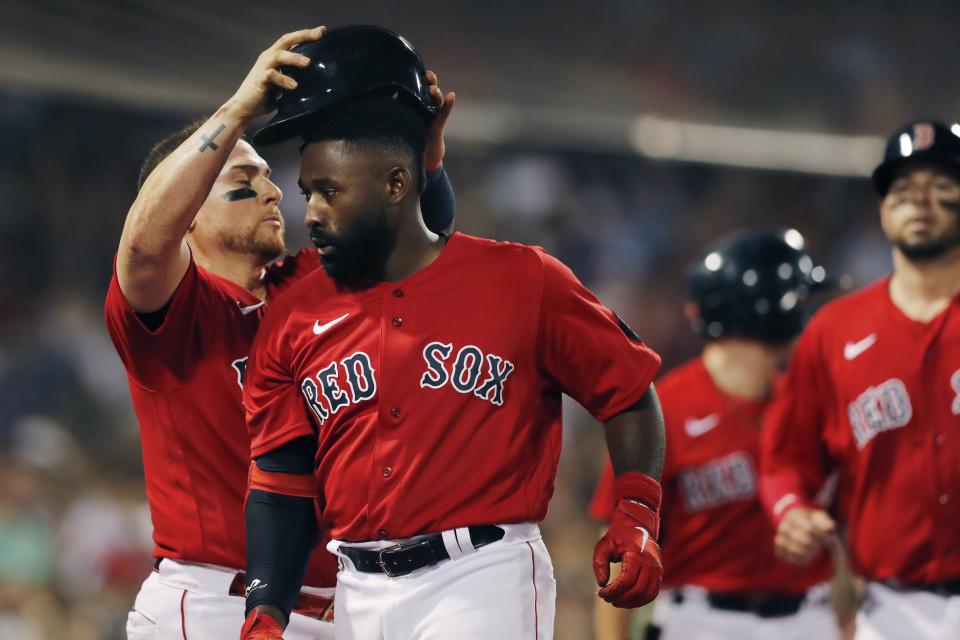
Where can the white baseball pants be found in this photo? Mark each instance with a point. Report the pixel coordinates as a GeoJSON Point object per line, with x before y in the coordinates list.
{"type": "Point", "coordinates": [695, 619]}
{"type": "Point", "coordinates": [889, 614]}
{"type": "Point", "coordinates": [183, 601]}
{"type": "Point", "coordinates": [502, 591]}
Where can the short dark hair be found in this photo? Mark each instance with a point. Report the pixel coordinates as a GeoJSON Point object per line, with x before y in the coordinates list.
{"type": "Point", "coordinates": [165, 147]}
{"type": "Point", "coordinates": [382, 121]}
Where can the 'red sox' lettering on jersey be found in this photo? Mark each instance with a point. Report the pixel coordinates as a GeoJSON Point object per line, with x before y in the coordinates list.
{"type": "Point", "coordinates": [240, 367]}
{"type": "Point", "coordinates": [436, 367]}
{"type": "Point", "coordinates": [726, 479]}
{"type": "Point", "coordinates": [464, 373]}
{"type": "Point", "coordinates": [955, 387]}
{"type": "Point", "coordinates": [880, 408]}
{"type": "Point", "coordinates": [325, 392]}
{"type": "Point", "coordinates": [885, 416]}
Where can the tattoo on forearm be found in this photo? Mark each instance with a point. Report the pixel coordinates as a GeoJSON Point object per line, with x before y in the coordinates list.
{"type": "Point", "coordinates": [208, 142]}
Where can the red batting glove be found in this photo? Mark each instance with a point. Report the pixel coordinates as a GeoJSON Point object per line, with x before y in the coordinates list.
{"type": "Point", "coordinates": [631, 541]}
{"type": "Point", "coordinates": [261, 626]}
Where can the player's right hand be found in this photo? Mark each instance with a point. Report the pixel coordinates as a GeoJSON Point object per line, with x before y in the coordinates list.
{"type": "Point", "coordinates": [257, 94]}
{"type": "Point", "coordinates": [261, 626]}
{"type": "Point", "coordinates": [802, 533]}
{"type": "Point", "coordinates": [630, 541]}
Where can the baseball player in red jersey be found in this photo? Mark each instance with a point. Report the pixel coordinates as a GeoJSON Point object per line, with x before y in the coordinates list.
{"type": "Point", "coordinates": [724, 580]}
{"type": "Point", "coordinates": [185, 301]}
{"type": "Point", "coordinates": [422, 379]}
{"type": "Point", "coordinates": [872, 394]}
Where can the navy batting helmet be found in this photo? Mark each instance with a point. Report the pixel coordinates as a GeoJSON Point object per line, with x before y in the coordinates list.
{"type": "Point", "coordinates": [921, 141]}
{"type": "Point", "coordinates": [752, 284]}
{"type": "Point", "coordinates": [348, 62]}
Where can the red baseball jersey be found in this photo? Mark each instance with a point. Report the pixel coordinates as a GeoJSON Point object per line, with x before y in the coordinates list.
{"type": "Point", "coordinates": [435, 401]}
{"type": "Point", "coordinates": [185, 381]}
{"type": "Point", "coordinates": [876, 396]}
{"type": "Point", "coordinates": [715, 532]}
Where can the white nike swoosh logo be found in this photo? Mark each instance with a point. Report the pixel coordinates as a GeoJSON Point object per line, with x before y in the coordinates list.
{"type": "Point", "coordinates": [253, 307]}
{"type": "Point", "coordinates": [320, 328]}
{"type": "Point", "coordinates": [696, 427]}
{"type": "Point", "coordinates": [853, 349]}
{"type": "Point", "coordinates": [646, 538]}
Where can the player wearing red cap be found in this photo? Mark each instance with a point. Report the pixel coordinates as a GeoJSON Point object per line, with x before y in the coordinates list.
{"type": "Point", "coordinates": [421, 380]}
{"type": "Point", "coordinates": [872, 395]}
{"type": "Point", "coordinates": [721, 577]}
{"type": "Point", "coordinates": [191, 278]}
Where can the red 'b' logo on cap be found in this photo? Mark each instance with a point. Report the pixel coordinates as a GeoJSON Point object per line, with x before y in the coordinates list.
{"type": "Point", "coordinates": [922, 136]}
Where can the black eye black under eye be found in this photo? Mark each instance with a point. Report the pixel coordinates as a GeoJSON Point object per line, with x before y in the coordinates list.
{"type": "Point", "coordinates": [240, 194]}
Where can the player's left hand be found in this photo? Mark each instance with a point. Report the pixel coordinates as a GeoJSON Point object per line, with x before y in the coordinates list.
{"type": "Point", "coordinates": [629, 540]}
{"type": "Point", "coordinates": [433, 157]}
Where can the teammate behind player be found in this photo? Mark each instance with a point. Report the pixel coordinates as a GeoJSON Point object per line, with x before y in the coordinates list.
{"type": "Point", "coordinates": [182, 309]}
{"type": "Point", "coordinates": [747, 298]}
{"type": "Point", "coordinates": [872, 393]}
{"type": "Point", "coordinates": [422, 379]}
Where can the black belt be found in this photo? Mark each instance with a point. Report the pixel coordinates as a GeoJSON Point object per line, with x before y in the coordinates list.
{"type": "Point", "coordinates": [942, 588]}
{"type": "Point", "coordinates": [401, 559]}
{"type": "Point", "coordinates": [764, 605]}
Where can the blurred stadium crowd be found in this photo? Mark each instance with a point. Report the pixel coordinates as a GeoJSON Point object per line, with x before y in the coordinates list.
{"type": "Point", "coordinates": [74, 526]}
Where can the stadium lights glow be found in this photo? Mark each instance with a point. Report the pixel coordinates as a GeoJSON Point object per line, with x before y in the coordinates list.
{"type": "Point", "coordinates": [713, 261]}
{"type": "Point", "coordinates": [793, 238]}
{"type": "Point", "coordinates": [492, 123]}
{"type": "Point", "coordinates": [756, 148]}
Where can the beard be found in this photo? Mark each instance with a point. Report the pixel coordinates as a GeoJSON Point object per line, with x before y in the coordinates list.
{"type": "Point", "coordinates": [264, 242]}
{"type": "Point", "coordinates": [929, 249]}
{"type": "Point", "coordinates": [360, 251]}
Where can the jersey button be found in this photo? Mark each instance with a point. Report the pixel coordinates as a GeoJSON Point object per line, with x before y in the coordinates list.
{"type": "Point", "coordinates": [938, 439]}
{"type": "Point", "coordinates": [383, 534]}
{"type": "Point", "coordinates": [395, 412]}
{"type": "Point", "coordinates": [387, 472]}
{"type": "Point", "coordinates": [398, 321]}
{"type": "Point", "coordinates": [944, 498]}
{"type": "Point", "coordinates": [398, 293]}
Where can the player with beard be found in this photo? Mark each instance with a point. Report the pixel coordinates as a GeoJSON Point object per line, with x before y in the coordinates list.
{"type": "Point", "coordinates": [192, 276]}
{"type": "Point", "coordinates": [873, 394]}
{"type": "Point", "coordinates": [419, 381]}
{"type": "Point", "coordinates": [355, 256]}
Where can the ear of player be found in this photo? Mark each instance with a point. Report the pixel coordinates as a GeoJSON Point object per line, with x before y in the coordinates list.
{"type": "Point", "coordinates": [631, 540]}
{"type": "Point", "coordinates": [261, 626]}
